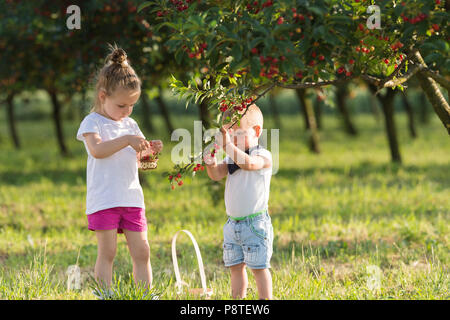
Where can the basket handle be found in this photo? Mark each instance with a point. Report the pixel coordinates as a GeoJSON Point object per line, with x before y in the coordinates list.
{"type": "Point", "coordinates": [179, 283]}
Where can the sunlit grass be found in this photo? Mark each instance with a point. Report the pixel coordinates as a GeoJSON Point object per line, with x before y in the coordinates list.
{"type": "Point", "coordinates": [334, 214]}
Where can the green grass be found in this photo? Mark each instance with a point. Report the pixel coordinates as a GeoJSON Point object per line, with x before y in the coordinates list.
{"type": "Point", "coordinates": [333, 214]}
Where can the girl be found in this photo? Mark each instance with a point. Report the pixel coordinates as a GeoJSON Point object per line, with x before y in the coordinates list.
{"type": "Point", "coordinates": [114, 200]}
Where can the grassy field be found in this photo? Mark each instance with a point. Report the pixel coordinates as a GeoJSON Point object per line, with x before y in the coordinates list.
{"type": "Point", "coordinates": [335, 216]}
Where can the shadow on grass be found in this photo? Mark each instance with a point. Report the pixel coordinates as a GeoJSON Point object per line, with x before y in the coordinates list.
{"type": "Point", "coordinates": [57, 176]}
{"type": "Point", "coordinates": [437, 173]}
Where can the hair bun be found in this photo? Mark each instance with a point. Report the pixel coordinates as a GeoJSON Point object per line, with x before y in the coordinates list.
{"type": "Point", "coordinates": [117, 56]}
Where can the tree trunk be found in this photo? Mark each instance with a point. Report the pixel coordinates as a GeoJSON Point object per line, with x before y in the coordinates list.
{"type": "Point", "coordinates": [303, 108]}
{"type": "Point", "coordinates": [318, 111]}
{"type": "Point", "coordinates": [10, 116]}
{"type": "Point", "coordinates": [58, 123]}
{"type": "Point", "coordinates": [387, 106]}
{"type": "Point", "coordinates": [410, 114]}
{"type": "Point", "coordinates": [146, 113]}
{"type": "Point", "coordinates": [274, 110]}
{"type": "Point", "coordinates": [164, 111]}
{"type": "Point", "coordinates": [374, 107]}
{"type": "Point", "coordinates": [423, 107]}
{"type": "Point", "coordinates": [204, 113]}
{"type": "Point", "coordinates": [311, 119]}
{"type": "Point", "coordinates": [434, 94]}
{"type": "Point", "coordinates": [341, 97]}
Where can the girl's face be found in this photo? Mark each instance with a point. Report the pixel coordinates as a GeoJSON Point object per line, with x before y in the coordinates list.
{"type": "Point", "coordinates": [119, 105]}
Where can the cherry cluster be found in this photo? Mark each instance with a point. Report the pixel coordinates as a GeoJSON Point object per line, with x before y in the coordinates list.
{"type": "Point", "coordinates": [195, 53]}
{"type": "Point", "coordinates": [418, 18]}
{"type": "Point", "coordinates": [254, 7]}
{"type": "Point", "coordinates": [235, 106]}
{"type": "Point", "coordinates": [270, 66]}
{"type": "Point", "coordinates": [214, 150]}
{"type": "Point", "coordinates": [181, 5]}
{"type": "Point", "coordinates": [177, 179]}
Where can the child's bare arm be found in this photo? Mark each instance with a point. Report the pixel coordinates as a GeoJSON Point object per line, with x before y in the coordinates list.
{"type": "Point", "coordinates": [246, 162]}
{"type": "Point", "coordinates": [100, 149]}
{"type": "Point", "coordinates": [215, 171]}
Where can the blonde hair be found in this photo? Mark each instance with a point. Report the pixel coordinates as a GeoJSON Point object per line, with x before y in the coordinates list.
{"type": "Point", "coordinates": [253, 117]}
{"type": "Point", "coordinates": [116, 73]}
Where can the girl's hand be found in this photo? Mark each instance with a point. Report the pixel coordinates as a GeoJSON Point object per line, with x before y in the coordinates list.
{"type": "Point", "coordinates": [156, 146]}
{"type": "Point", "coordinates": [138, 143]}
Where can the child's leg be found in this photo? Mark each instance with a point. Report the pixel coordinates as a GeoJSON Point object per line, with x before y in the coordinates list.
{"type": "Point", "coordinates": [263, 281]}
{"type": "Point", "coordinates": [239, 281]}
{"type": "Point", "coordinates": [106, 251]}
{"type": "Point", "coordinates": [140, 254]}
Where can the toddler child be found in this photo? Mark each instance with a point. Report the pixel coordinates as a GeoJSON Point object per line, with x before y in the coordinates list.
{"type": "Point", "coordinates": [248, 232]}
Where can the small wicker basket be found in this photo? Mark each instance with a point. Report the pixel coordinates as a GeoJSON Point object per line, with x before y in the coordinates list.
{"type": "Point", "coordinates": [148, 162]}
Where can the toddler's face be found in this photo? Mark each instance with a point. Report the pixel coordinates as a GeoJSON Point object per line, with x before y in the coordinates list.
{"type": "Point", "coordinates": [119, 105]}
{"type": "Point", "coordinates": [243, 137]}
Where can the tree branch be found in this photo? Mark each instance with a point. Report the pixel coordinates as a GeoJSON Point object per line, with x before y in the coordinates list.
{"type": "Point", "coordinates": [437, 77]}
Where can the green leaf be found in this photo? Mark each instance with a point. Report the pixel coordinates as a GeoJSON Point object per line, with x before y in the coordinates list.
{"type": "Point", "coordinates": [255, 66]}
{"type": "Point", "coordinates": [179, 56]}
{"type": "Point", "coordinates": [236, 52]}
{"type": "Point", "coordinates": [144, 5]}
{"type": "Point", "coordinates": [286, 66]}
{"type": "Point", "coordinates": [319, 11]}
{"type": "Point", "coordinates": [236, 65]}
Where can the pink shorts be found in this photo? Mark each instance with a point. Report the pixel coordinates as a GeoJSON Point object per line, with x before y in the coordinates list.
{"type": "Point", "coordinates": [130, 218]}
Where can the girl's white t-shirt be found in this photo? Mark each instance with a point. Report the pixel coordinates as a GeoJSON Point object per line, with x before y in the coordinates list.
{"type": "Point", "coordinates": [112, 181]}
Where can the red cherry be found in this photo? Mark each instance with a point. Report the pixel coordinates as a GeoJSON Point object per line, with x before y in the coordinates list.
{"type": "Point", "coordinates": [180, 183]}
{"type": "Point", "coordinates": [386, 61]}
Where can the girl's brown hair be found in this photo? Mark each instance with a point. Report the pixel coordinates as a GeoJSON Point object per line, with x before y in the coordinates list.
{"type": "Point", "coordinates": [116, 73]}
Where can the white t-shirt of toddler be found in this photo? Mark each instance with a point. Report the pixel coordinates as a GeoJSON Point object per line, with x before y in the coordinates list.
{"type": "Point", "coordinates": [112, 181]}
{"type": "Point", "coordinates": [247, 192]}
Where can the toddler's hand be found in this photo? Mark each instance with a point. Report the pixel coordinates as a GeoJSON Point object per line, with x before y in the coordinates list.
{"type": "Point", "coordinates": [156, 146]}
{"type": "Point", "coordinates": [209, 160]}
{"type": "Point", "coordinates": [223, 137]}
{"type": "Point", "coordinates": [138, 143]}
